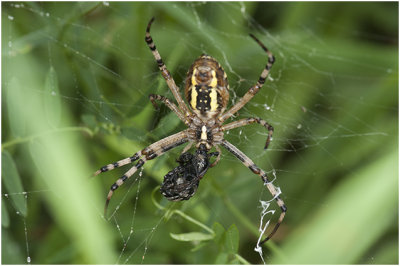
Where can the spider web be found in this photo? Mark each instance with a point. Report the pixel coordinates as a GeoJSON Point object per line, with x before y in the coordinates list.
{"type": "Point", "coordinates": [300, 94]}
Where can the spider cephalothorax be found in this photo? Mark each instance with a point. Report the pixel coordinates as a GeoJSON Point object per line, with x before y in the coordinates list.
{"type": "Point", "coordinates": [207, 93]}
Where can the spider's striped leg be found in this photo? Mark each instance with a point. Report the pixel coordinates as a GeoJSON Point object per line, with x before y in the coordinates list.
{"type": "Point", "coordinates": [169, 104]}
{"type": "Point", "coordinates": [120, 163]}
{"type": "Point", "coordinates": [151, 152]}
{"type": "Point", "coordinates": [256, 170]}
{"type": "Point", "coordinates": [254, 89]}
{"type": "Point", "coordinates": [164, 71]}
{"type": "Point", "coordinates": [248, 121]}
{"type": "Point", "coordinates": [137, 155]}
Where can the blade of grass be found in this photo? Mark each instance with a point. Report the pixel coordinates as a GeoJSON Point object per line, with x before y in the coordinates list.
{"type": "Point", "coordinates": [348, 222]}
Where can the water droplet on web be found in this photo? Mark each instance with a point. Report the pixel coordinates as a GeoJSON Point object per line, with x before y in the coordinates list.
{"type": "Point", "coordinates": [53, 93]}
{"type": "Point", "coordinates": [28, 259]}
{"type": "Point", "coordinates": [17, 212]}
{"type": "Point", "coordinates": [10, 17]}
{"type": "Point", "coordinates": [299, 126]}
{"type": "Point", "coordinates": [267, 107]}
{"type": "Point", "coordinates": [6, 195]}
{"type": "Point", "coordinates": [47, 14]}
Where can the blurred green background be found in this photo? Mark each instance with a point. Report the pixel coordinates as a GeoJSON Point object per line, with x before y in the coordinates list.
{"type": "Point", "coordinates": [75, 84]}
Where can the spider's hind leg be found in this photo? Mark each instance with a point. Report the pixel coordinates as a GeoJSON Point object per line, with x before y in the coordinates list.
{"type": "Point", "coordinates": [256, 170]}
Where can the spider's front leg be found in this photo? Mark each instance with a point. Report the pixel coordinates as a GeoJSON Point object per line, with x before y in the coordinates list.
{"type": "Point", "coordinates": [254, 89]}
{"type": "Point", "coordinates": [151, 152]}
{"type": "Point", "coordinates": [256, 170]}
{"type": "Point", "coordinates": [164, 71]}
{"type": "Point", "coordinates": [248, 121]}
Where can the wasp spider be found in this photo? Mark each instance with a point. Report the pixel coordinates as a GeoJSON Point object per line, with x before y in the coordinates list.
{"type": "Point", "coordinates": [207, 94]}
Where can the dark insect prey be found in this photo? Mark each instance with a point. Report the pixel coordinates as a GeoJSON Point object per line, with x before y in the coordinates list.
{"type": "Point", "coordinates": [182, 182]}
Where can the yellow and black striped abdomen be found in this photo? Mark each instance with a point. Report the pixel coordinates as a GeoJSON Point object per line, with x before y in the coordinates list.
{"type": "Point", "coordinates": [205, 99]}
{"type": "Point", "coordinates": [206, 87]}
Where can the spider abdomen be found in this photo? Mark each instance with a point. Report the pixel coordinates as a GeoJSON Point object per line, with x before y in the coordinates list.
{"type": "Point", "coordinates": [207, 87]}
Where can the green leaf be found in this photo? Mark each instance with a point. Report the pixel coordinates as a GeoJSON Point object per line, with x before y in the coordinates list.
{"type": "Point", "coordinates": [192, 236]}
{"type": "Point", "coordinates": [5, 218]}
{"type": "Point", "coordinates": [13, 95]}
{"type": "Point", "coordinates": [199, 246]}
{"type": "Point", "coordinates": [52, 103]}
{"type": "Point", "coordinates": [222, 258]}
{"type": "Point", "coordinates": [219, 232]}
{"type": "Point", "coordinates": [12, 182]}
{"type": "Point", "coordinates": [232, 239]}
